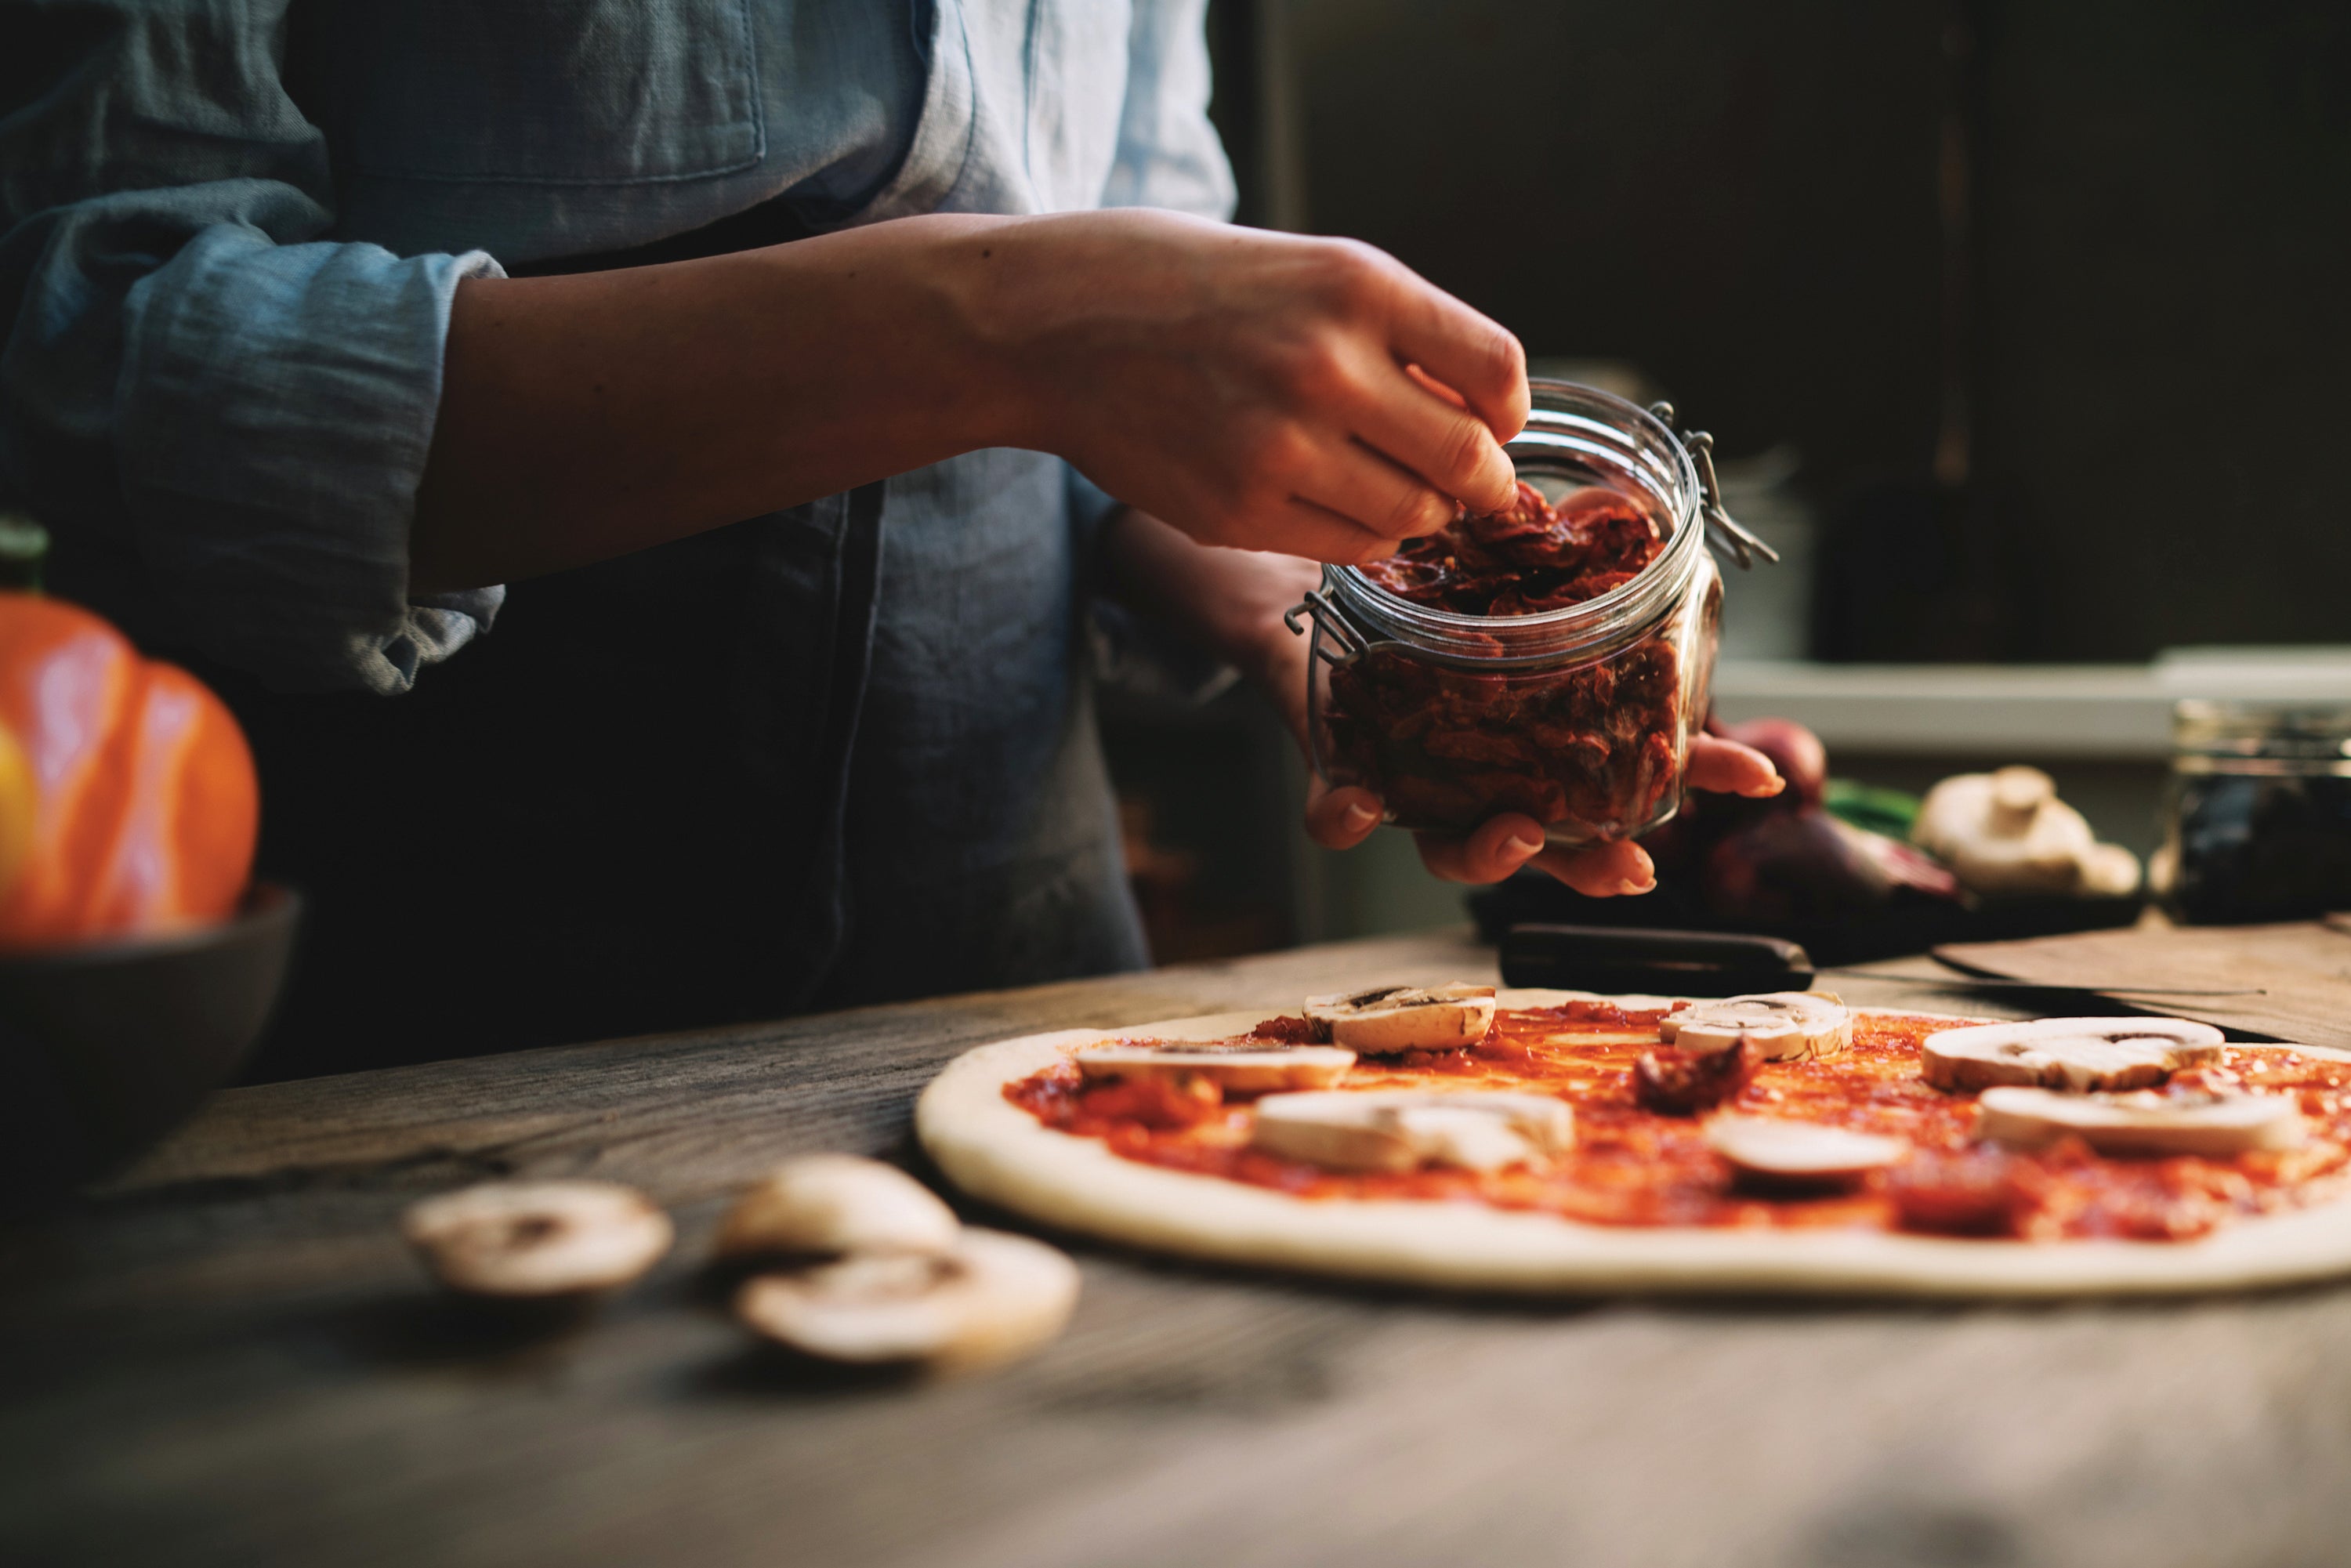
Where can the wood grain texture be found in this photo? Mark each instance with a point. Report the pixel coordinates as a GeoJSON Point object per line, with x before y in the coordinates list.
{"type": "Point", "coordinates": [2301, 970]}
{"type": "Point", "coordinates": [226, 1357]}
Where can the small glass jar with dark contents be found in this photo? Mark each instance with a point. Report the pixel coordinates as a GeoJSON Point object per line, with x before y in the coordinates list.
{"type": "Point", "coordinates": [1554, 660]}
{"type": "Point", "coordinates": [2257, 824]}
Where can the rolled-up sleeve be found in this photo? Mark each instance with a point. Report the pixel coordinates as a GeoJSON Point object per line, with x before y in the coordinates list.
{"type": "Point", "coordinates": [193, 373]}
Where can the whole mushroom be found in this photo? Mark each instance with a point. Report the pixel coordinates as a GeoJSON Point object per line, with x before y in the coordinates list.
{"type": "Point", "coordinates": [2007, 832]}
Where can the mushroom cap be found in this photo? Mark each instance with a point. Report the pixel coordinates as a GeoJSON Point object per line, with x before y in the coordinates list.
{"type": "Point", "coordinates": [2080, 1054]}
{"type": "Point", "coordinates": [534, 1239]}
{"type": "Point", "coordinates": [1233, 1064]}
{"type": "Point", "coordinates": [1782, 1026]}
{"type": "Point", "coordinates": [2109, 871]}
{"type": "Point", "coordinates": [2141, 1122]}
{"type": "Point", "coordinates": [1787, 1150]}
{"type": "Point", "coordinates": [1391, 1019]}
{"type": "Point", "coordinates": [836, 1203]}
{"type": "Point", "coordinates": [988, 1299]}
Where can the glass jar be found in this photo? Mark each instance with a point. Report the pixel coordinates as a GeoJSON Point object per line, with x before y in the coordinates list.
{"type": "Point", "coordinates": [1581, 717]}
{"type": "Point", "coordinates": [2257, 820]}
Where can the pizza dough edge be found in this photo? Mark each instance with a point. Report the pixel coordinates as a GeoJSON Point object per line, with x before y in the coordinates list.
{"type": "Point", "coordinates": [993, 1150]}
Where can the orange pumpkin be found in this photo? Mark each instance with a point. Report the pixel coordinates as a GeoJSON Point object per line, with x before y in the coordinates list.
{"type": "Point", "coordinates": [137, 784]}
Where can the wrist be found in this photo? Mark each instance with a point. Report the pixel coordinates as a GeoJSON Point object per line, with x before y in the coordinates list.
{"type": "Point", "coordinates": [925, 297]}
{"type": "Point", "coordinates": [987, 270]}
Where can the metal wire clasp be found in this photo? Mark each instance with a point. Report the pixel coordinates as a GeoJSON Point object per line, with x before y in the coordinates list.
{"type": "Point", "coordinates": [1719, 525]}
{"type": "Point", "coordinates": [1348, 644]}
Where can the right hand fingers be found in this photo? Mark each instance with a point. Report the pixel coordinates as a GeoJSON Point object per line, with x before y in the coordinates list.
{"type": "Point", "coordinates": [1426, 382]}
{"type": "Point", "coordinates": [1437, 440]}
{"type": "Point", "coordinates": [1463, 349]}
{"type": "Point", "coordinates": [1238, 384]}
{"type": "Point", "coordinates": [1313, 532]}
{"type": "Point", "coordinates": [1387, 501]}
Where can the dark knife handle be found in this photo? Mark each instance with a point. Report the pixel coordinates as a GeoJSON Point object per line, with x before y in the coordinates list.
{"type": "Point", "coordinates": [1674, 963]}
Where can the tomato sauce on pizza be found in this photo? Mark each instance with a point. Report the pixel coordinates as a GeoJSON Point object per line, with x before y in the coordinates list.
{"type": "Point", "coordinates": [1632, 1165]}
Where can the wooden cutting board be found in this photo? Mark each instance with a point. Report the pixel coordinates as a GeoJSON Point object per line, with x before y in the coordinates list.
{"type": "Point", "coordinates": [2303, 971]}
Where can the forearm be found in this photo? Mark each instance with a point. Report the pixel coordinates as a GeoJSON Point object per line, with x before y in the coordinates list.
{"type": "Point", "coordinates": [1249, 388]}
{"type": "Point", "coordinates": [582, 417]}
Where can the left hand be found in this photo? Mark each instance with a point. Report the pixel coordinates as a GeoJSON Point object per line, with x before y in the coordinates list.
{"type": "Point", "coordinates": [1233, 601]}
{"type": "Point", "coordinates": [1343, 817]}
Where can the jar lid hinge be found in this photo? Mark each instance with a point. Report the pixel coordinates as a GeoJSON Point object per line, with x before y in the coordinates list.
{"type": "Point", "coordinates": [1719, 525]}
{"type": "Point", "coordinates": [1328, 622]}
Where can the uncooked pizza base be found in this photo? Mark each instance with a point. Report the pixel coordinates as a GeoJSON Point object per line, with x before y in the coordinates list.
{"type": "Point", "coordinates": [997, 1152]}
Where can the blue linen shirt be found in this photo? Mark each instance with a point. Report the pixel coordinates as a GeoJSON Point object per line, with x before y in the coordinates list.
{"type": "Point", "coordinates": [234, 231]}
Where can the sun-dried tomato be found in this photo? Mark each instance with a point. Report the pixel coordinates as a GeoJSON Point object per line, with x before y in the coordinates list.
{"type": "Point", "coordinates": [1447, 747]}
{"type": "Point", "coordinates": [1975, 1192]}
{"type": "Point", "coordinates": [1532, 557]}
{"type": "Point", "coordinates": [1291, 1030]}
{"type": "Point", "coordinates": [1682, 1083]}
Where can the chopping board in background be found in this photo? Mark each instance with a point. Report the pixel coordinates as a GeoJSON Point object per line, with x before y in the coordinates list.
{"type": "Point", "coordinates": [2303, 969]}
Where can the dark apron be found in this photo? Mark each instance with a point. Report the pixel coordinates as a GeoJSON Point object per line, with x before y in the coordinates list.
{"type": "Point", "coordinates": [633, 808]}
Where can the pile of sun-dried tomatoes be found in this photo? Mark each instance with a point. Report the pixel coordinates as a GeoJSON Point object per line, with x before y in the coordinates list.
{"type": "Point", "coordinates": [1448, 747]}
{"type": "Point", "coordinates": [1533, 558]}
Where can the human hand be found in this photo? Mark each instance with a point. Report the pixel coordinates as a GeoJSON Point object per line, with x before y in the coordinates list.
{"type": "Point", "coordinates": [1232, 603]}
{"type": "Point", "coordinates": [1343, 816]}
{"type": "Point", "coordinates": [1267, 391]}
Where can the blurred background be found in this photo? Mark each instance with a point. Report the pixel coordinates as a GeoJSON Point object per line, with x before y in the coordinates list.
{"type": "Point", "coordinates": [2021, 328]}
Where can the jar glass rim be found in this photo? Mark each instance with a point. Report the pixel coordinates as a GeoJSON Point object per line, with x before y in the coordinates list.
{"type": "Point", "coordinates": [1568, 424]}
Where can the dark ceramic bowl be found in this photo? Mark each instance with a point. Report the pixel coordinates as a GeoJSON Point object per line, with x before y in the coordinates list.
{"type": "Point", "coordinates": [105, 1048]}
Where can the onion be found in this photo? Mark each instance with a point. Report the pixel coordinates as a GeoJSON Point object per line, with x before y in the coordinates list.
{"type": "Point", "coordinates": [1790, 866]}
{"type": "Point", "coordinates": [1794, 751]}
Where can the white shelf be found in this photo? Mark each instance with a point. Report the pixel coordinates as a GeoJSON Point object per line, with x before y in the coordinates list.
{"type": "Point", "coordinates": [2021, 712]}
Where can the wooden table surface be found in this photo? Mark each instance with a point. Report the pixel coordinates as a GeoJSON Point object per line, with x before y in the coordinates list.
{"type": "Point", "coordinates": [228, 1358]}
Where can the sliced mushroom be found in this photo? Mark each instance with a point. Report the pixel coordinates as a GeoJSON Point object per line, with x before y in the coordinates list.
{"type": "Point", "coordinates": [990, 1298]}
{"type": "Point", "coordinates": [1467, 1139]}
{"type": "Point", "coordinates": [2079, 1055]}
{"type": "Point", "coordinates": [1779, 1150]}
{"type": "Point", "coordinates": [1783, 1026]}
{"type": "Point", "coordinates": [1405, 1017]}
{"type": "Point", "coordinates": [537, 1238]}
{"type": "Point", "coordinates": [2141, 1122]}
{"type": "Point", "coordinates": [1398, 1130]}
{"type": "Point", "coordinates": [823, 1204]}
{"type": "Point", "coordinates": [1251, 1065]}
{"type": "Point", "coordinates": [1336, 1130]}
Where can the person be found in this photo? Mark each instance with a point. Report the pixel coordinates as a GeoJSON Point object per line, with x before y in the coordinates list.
{"type": "Point", "coordinates": [782, 379]}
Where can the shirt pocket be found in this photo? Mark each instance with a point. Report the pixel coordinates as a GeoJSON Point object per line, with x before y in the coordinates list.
{"type": "Point", "coordinates": [551, 91]}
